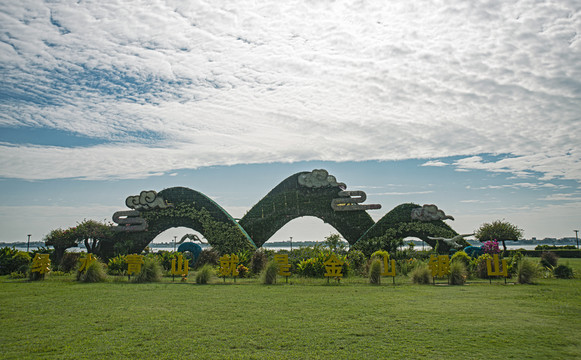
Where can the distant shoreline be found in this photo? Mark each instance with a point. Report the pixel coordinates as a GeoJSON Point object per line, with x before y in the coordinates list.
{"type": "Point", "coordinates": [297, 244]}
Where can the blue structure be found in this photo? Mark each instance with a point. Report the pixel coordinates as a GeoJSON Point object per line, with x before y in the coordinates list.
{"type": "Point", "coordinates": [194, 248]}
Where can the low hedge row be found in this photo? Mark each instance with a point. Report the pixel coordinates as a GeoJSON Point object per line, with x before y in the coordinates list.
{"type": "Point", "coordinates": [537, 253]}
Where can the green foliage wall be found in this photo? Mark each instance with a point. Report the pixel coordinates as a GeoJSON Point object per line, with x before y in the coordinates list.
{"type": "Point", "coordinates": [289, 201]}
{"type": "Point", "coordinates": [398, 224]}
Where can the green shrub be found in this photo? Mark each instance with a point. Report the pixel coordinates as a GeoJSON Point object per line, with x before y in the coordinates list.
{"type": "Point", "coordinates": [12, 260]}
{"type": "Point", "coordinates": [357, 262]}
{"type": "Point", "coordinates": [404, 267]}
{"type": "Point", "coordinates": [563, 272]}
{"type": "Point", "coordinates": [151, 271]}
{"type": "Point", "coordinates": [513, 262]}
{"type": "Point", "coordinates": [242, 271]}
{"type": "Point", "coordinates": [458, 273]}
{"type": "Point", "coordinates": [69, 261]}
{"type": "Point", "coordinates": [527, 271]}
{"type": "Point", "coordinates": [421, 275]}
{"type": "Point", "coordinates": [549, 259]}
{"type": "Point", "coordinates": [479, 266]}
{"type": "Point", "coordinates": [165, 258]}
{"type": "Point", "coordinates": [258, 261]}
{"type": "Point", "coordinates": [270, 272]}
{"type": "Point", "coordinates": [208, 256]}
{"type": "Point", "coordinates": [204, 275]}
{"type": "Point", "coordinates": [17, 275]}
{"type": "Point", "coordinates": [95, 273]}
{"type": "Point", "coordinates": [375, 272]}
{"type": "Point", "coordinates": [117, 265]}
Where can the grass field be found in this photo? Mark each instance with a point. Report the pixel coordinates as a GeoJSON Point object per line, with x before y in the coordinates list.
{"type": "Point", "coordinates": [59, 318]}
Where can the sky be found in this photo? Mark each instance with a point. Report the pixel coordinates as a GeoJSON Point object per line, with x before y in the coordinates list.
{"type": "Point", "coordinates": [473, 106]}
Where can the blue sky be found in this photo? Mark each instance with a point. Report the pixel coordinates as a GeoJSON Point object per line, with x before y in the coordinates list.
{"type": "Point", "coordinates": [473, 107]}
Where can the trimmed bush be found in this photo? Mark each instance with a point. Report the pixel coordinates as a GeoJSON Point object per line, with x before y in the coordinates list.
{"type": "Point", "coordinates": [462, 257]}
{"type": "Point", "coordinates": [527, 271]}
{"type": "Point", "coordinates": [204, 275]}
{"type": "Point", "coordinates": [258, 261]}
{"type": "Point", "coordinates": [563, 272]}
{"type": "Point", "coordinates": [458, 273]}
{"type": "Point", "coordinates": [70, 261]}
{"type": "Point", "coordinates": [421, 275]}
{"type": "Point", "coordinates": [150, 271]}
{"type": "Point", "coordinates": [375, 272]}
{"type": "Point", "coordinates": [94, 273]}
{"type": "Point", "coordinates": [269, 273]}
{"type": "Point", "coordinates": [549, 259]}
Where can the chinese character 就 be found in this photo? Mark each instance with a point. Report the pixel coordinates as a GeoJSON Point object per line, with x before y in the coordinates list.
{"type": "Point", "coordinates": [228, 265]}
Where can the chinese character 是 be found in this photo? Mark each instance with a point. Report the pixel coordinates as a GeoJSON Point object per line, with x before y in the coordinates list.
{"type": "Point", "coordinates": [283, 265]}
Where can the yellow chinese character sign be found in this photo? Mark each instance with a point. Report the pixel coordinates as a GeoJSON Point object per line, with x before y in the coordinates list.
{"type": "Point", "coordinates": [86, 261]}
{"type": "Point", "coordinates": [283, 265]}
{"type": "Point", "coordinates": [439, 265]}
{"type": "Point", "coordinates": [386, 266]}
{"type": "Point", "coordinates": [228, 265]}
{"type": "Point", "coordinates": [134, 263]}
{"type": "Point", "coordinates": [496, 271]}
{"type": "Point", "coordinates": [333, 266]}
{"type": "Point", "coordinates": [182, 266]}
{"type": "Point", "coordinates": [41, 264]}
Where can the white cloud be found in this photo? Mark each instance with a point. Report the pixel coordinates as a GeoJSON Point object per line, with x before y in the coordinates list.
{"type": "Point", "coordinates": [245, 82]}
{"type": "Point", "coordinates": [436, 163]}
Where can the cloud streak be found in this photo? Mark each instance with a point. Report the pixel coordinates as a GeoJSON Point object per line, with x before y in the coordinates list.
{"type": "Point", "coordinates": [170, 85]}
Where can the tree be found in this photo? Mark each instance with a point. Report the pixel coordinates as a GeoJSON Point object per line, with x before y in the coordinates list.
{"type": "Point", "coordinates": [334, 243]}
{"type": "Point", "coordinates": [61, 240]}
{"type": "Point", "coordinates": [498, 230]}
{"type": "Point", "coordinates": [91, 232]}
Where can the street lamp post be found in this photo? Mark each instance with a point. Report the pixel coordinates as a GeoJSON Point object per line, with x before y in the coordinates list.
{"type": "Point", "coordinates": [577, 237]}
{"type": "Point", "coordinates": [174, 243]}
{"type": "Point", "coordinates": [291, 241]}
{"type": "Point", "coordinates": [28, 244]}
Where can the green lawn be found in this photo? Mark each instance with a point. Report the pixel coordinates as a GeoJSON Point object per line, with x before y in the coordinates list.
{"type": "Point", "coordinates": [59, 318]}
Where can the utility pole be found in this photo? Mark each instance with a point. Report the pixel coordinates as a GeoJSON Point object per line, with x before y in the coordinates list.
{"type": "Point", "coordinates": [174, 243]}
{"type": "Point", "coordinates": [291, 241]}
{"type": "Point", "coordinates": [576, 237]}
{"type": "Point", "coordinates": [28, 245]}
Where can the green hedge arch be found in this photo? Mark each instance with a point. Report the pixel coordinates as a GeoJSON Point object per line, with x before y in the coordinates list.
{"type": "Point", "coordinates": [399, 224]}
{"type": "Point", "coordinates": [290, 200]}
{"type": "Point", "coordinates": [190, 209]}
